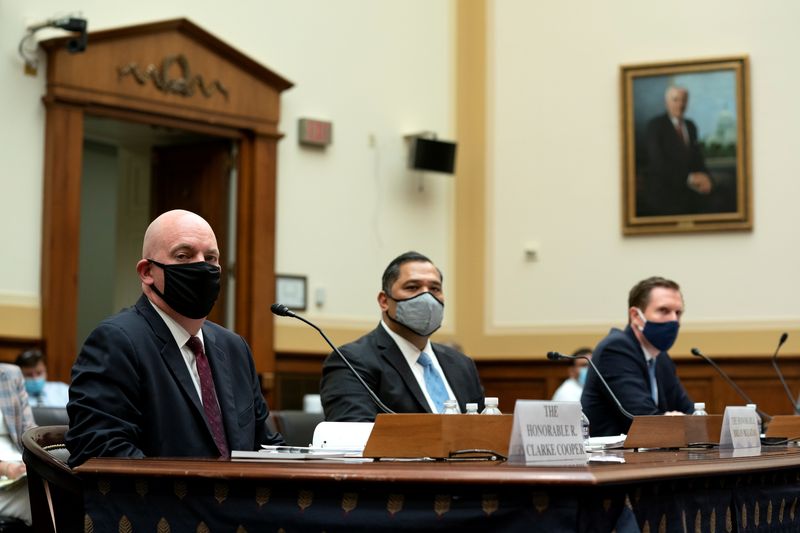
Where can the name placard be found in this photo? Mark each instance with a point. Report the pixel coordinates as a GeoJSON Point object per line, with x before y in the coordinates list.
{"type": "Point", "coordinates": [547, 432]}
{"type": "Point", "coordinates": [740, 428]}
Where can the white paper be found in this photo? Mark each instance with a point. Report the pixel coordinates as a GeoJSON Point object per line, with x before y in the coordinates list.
{"type": "Point", "coordinates": [342, 435]}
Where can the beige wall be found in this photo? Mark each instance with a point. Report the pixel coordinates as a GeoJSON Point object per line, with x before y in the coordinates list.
{"type": "Point", "coordinates": [377, 70]}
{"type": "Point", "coordinates": [536, 111]}
{"type": "Point", "coordinates": [554, 173]}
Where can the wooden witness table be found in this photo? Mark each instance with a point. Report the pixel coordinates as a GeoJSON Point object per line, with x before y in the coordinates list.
{"type": "Point", "coordinates": [685, 490]}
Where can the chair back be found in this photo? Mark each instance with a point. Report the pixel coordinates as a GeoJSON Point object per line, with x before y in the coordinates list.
{"type": "Point", "coordinates": [50, 416]}
{"type": "Point", "coordinates": [297, 427]}
{"type": "Point", "coordinates": [56, 492]}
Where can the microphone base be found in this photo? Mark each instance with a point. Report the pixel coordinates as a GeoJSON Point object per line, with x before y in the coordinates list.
{"type": "Point", "coordinates": [437, 436]}
{"type": "Point", "coordinates": [661, 431]}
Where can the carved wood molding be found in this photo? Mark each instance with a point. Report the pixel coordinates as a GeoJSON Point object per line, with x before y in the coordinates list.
{"type": "Point", "coordinates": [185, 85]}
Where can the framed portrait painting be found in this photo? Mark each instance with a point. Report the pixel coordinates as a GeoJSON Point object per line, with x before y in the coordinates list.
{"type": "Point", "coordinates": [686, 146]}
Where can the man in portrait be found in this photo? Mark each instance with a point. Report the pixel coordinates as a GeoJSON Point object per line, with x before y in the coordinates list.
{"type": "Point", "coordinates": [674, 179]}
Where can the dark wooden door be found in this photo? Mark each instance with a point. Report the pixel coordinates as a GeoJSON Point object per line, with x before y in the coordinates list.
{"type": "Point", "coordinates": [196, 177]}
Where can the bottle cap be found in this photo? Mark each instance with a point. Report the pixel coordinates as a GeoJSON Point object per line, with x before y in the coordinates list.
{"type": "Point", "coordinates": [699, 405]}
{"type": "Point", "coordinates": [491, 400]}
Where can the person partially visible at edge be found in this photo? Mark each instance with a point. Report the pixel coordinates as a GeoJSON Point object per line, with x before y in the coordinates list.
{"type": "Point", "coordinates": [15, 418]}
{"type": "Point", "coordinates": [158, 379]}
{"type": "Point", "coordinates": [397, 360]}
{"type": "Point", "coordinates": [635, 362]}
{"type": "Point", "coordinates": [41, 392]}
{"type": "Point", "coordinates": [572, 387]}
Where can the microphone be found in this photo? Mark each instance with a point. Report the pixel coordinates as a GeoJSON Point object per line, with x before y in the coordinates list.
{"type": "Point", "coordinates": [697, 353]}
{"type": "Point", "coordinates": [555, 356]}
{"type": "Point", "coordinates": [282, 310]}
{"type": "Point", "coordinates": [780, 374]}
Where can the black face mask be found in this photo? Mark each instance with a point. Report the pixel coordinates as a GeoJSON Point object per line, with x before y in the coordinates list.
{"type": "Point", "coordinates": [189, 288]}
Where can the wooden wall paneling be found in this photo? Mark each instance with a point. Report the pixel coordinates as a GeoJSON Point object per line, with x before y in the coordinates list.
{"type": "Point", "coordinates": [295, 375]}
{"type": "Point", "coordinates": [61, 235]}
{"type": "Point", "coordinates": [250, 99]}
{"type": "Point", "coordinates": [244, 209]}
{"type": "Point", "coordinates": [754, 375]}
{"type": "Point", "coordinates": [247, 108]}
{"type": "Point", "coordinates": [255, 289]}
{"type": "Point", "coordinates": [537, 380]}
{"type": "Point", "coordinates": [11, 347]}
{"type": "Point", "coordinates": [523, 380]}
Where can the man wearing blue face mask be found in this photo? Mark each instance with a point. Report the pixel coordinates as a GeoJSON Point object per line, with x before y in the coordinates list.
{"type": "Point", "coordinates": [635, 362]}
{"type": "Point", "coordinates": [572, 387]}
{"type": "Point", "coordinates": [397, 360]}
{"type": "Point", "coordinates": [41, 392]}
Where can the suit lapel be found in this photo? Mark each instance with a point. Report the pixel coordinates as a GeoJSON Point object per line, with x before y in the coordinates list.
{"type": "Point", "coordinates": [392, 355]}
{"type": "Point", "coordinates": [171, 353]}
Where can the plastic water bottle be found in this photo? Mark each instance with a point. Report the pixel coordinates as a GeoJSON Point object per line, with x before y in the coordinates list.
{"type": "Point", "coordinates": [451, 408]}
{"type": "Point", "coordinates": [472, 408]}
{"type": "Point", "coordinates": [700, 409]}
{"type": "Point", "coordinates": [491, 406]}
{"type": "Point", "coordinates": [585, 426]}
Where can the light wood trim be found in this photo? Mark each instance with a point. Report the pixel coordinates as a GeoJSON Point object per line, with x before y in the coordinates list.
{"type": "Point", "coordinates": [22, 321]}
{"type": "Point", "coordinates": [470, 202]}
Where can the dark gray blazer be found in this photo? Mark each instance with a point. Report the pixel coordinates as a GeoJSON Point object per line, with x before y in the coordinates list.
{"type": "Point", "coordinates": [132, 395]}
{"type": "Point", "coordinates": [620, 360]}
{"type": "Point", "coordinates": [381, 364]}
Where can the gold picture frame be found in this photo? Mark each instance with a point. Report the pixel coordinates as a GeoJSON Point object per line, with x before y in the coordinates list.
{"type": "Point", "coordinates": [686, 146]}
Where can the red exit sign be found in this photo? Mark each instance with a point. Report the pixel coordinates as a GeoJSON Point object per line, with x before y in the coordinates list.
{"type": "Point", "coordinates": [315, 132]}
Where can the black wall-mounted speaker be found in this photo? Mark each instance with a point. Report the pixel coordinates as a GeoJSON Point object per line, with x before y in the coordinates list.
{"type": "Point", "coordinates": [432, 155]}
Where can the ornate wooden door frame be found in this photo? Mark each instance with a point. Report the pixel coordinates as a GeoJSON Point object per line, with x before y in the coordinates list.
{"type": "Point", "coordinates": [170, 73]}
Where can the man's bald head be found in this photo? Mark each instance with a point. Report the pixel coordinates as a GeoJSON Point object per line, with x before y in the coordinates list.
{"type": "Point", "coordinates": [160, 237]}
{"type": "Point", "coordinates": [179, 238]}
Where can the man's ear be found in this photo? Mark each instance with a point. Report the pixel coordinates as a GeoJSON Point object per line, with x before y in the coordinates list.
{"type": "Point", "coordinates": [143, 269]}
{"type": "Point", "coordinates": [383, 301]}
{"type": "Point", "coordinates": [634, 318]}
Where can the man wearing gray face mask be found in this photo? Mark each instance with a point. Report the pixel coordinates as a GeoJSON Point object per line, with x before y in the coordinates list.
{"type": "Point", "coordinates": [397, 360]}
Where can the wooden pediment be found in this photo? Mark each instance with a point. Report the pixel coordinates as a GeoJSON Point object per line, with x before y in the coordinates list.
{"type": "Point", "coordinates": [170, 68]}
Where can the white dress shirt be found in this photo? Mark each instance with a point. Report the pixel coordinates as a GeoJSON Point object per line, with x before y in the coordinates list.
{"type": "Point", "coordinates": [411, 354]}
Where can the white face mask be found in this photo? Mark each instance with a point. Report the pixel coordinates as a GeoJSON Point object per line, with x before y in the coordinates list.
{"type": "Point", "coordinates": [422, 313]}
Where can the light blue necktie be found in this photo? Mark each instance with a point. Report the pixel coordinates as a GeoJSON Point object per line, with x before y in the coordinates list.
{"type": "Point", "coordinates": [433, 382]}
{"type": "Point", "coordinates": [651, 369]}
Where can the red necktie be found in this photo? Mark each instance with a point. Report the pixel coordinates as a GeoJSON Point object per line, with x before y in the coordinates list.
{"type": "Point", "coordinates": [679, 131]}
{"type": "Point", "coordinates": [210, 404]}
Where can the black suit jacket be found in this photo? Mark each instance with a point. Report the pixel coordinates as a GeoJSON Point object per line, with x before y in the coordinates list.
{"type": "Point", "coordinates": [381, 364]}
{"type": "Point", "coordinates": [664, 190]}
{"type": "Point", "coordinates": [619, 358]}
{"type": "Point", "coordinates": [132, 395]}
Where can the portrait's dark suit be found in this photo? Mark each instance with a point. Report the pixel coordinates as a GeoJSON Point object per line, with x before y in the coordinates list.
{"type": "Point", "coordinates": [620, 360]}
{"type": "Point", "coordinates": [381, 364]}
{"type": "Point", "coordinates": [663, 187]}
{"type": "Point", "coordinates": [132, 395]}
